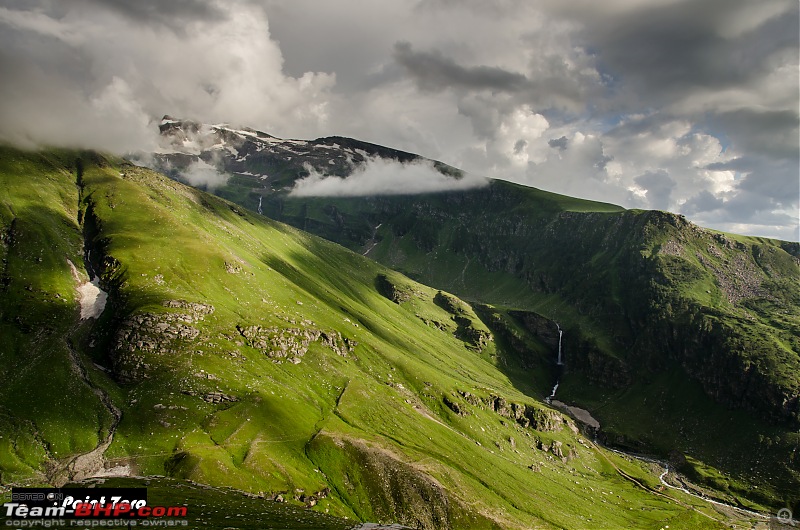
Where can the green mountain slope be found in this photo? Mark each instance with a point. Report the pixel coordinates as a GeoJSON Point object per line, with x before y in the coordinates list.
{"type": "Point", "coordinates": [649, 305]}
{"type": "Point", "coordinates": [680, 340]}
{"type": "Point", "coordinates": [236, 351]}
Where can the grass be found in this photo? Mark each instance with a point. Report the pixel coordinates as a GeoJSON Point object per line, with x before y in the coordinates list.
{"type": "Point", "coordinates": [370, 425]}
{"type": "Point", "coordinates": [637, 293]}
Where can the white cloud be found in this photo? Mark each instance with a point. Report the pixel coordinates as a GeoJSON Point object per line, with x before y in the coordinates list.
{"type": "Point", "coordinates": [379, 176]}
{"type": "Point", "coordinates": [630, 93]}
{"type": "Point", "coordinates": [95, 78]}
{"type": "Point", "coordinates": [203, 175]}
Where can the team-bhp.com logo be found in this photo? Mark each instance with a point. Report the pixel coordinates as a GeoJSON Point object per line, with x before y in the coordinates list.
{"type": "Point", "coordinates": [85, 504]}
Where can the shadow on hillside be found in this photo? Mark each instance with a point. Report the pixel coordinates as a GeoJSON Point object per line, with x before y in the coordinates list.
{"type": "Point", "coordinates": [346, 282]}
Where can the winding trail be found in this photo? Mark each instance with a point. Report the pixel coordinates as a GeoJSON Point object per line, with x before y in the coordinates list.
{"type": "Point", "coordinates": [636, 482]}
{"type": "Point", "coordinates": [712, 501]}
{"type": "Point", "coordinates": [678, 488]}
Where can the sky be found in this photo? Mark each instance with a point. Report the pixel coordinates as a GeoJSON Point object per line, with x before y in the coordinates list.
{"type": "Point", "coordinates": [685, 105]}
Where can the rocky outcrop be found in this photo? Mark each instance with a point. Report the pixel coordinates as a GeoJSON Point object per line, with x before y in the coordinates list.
{"type": "Point", "coordinates": [542, 328]}
{"type": "Point", "coordinates": [155, 333]}
{"type": "Point", "coordinates": [528, 416]}
{"type": "Point", "coordinates": [449, 303]}
{"type": "Point", "coordinates": [536, 418]}
{"type": "Point", "coordinates": [466, 329]}
{"type": "Point", "coordinates": [470, 398]}
{"type": "Point", "coordinates": [454, 406]}
{"type": "Point", "coordinates": [218, 397]}
{"type": "Point", "coordinates": [557, 448]}
{"type": "Point", "coordinates": [193, 311]}
{"type": "Point", "coordinates": [232, 268]}
{"type": "Point", "coordinates": [291, 344]}
{"type": "Point", "coordinates": [738, 278]}
{"type": "Point", "coordinates": [390, 290]}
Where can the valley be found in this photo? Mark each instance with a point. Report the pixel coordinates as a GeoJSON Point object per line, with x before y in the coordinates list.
{"type": "Point", "coordinates": [235, 351]}
{"type": "Point", "coordinates": [674, 336]}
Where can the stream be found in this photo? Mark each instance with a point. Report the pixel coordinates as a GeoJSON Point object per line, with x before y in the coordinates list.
{"type": "Point", "coordinates": [92, 301]}
{"type": "Point", "coordinates": [585, 417]}
{"type": "Point", "coordinates": [682, 488]}
{"type": "Point", "coordinates": [560, 334]}
{"type": "Point", "coordinates": [374, 241]}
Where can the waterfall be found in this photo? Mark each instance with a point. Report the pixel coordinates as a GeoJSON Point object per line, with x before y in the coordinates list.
{"type": "Point", "coordinates": [553, 393]}
{"type": "Point", "coordinates": [260, 198]}
{"type": "Point", "coordinates": [560, 333]}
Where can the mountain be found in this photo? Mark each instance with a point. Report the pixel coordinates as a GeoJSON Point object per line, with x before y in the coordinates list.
{"type": "Point", "coordinates": [681, 341]}
{"type": "Point", "coordinates": [153, 330]}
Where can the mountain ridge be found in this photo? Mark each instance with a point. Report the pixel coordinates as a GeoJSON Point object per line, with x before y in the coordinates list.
{"type": "Point", "coordinates": [640, 294]}
{"type": "Point", "coordinates": [242, 352]}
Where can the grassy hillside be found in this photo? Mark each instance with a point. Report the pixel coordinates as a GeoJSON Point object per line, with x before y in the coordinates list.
{"type": "Point", "coordinates": [650, 305]}
{"type": "Point", "coordinates": [239, 352]}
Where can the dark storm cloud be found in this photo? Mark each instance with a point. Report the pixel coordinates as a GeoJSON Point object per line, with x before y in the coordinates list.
{"type": "Point", "coordinates": [774, 179]}
{"type": "Point", "coordinates": [770, 132]}
{"type": "Point", "coordinates": [675, 46]}
{"type": "Point", "coordinates": [704, 201]}
{"type": "Point", "coordinates": [171, 13]}
{"type": "Point", "coordinates": [558, 143]}
{"type": "Point", "coordinates": [434, 71]}
{"type": "Point", "coordinates": [549, 85]}
{"type": "Point", "coordinates": [658, 186]}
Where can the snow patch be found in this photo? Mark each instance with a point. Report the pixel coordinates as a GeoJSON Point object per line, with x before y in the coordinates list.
{"type": "Point", "coordinates": [91, 297]}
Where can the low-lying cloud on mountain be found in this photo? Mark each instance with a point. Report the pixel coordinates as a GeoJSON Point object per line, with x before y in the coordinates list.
{"type": "Point", "coordinates": [101, 74]}
{"type": "Point", "coordinates": [203, 175]}
{"type": "Point", "coordinates": [380, 176]}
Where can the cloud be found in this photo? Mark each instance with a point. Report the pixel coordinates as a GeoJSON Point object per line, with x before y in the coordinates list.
{"type": "Point", "coordinates": [672, 48]}
{"type": "Point", "coordinates": [98, 74]}
{"type": "Point", "coordinates": [203, 175]}
{"type": "Point", "coordinates": [380, 176]}
{"type": "Point", "coordinates": [634, 86]}
{"type": "Point", "coordinates": [432, 70]}
{"type": "Point", "coordinates": [558, 143]}
{"type": "Point", "coordinates": [51, 113]}
{"type": "Point", "coordinates": [768, 132]}
{"type": "Point", "coordinates": [556, 80]}
{"type": "Point", "coordinates": [172, 13]}
{"type": "Point", "coordinates": [657, 186]}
